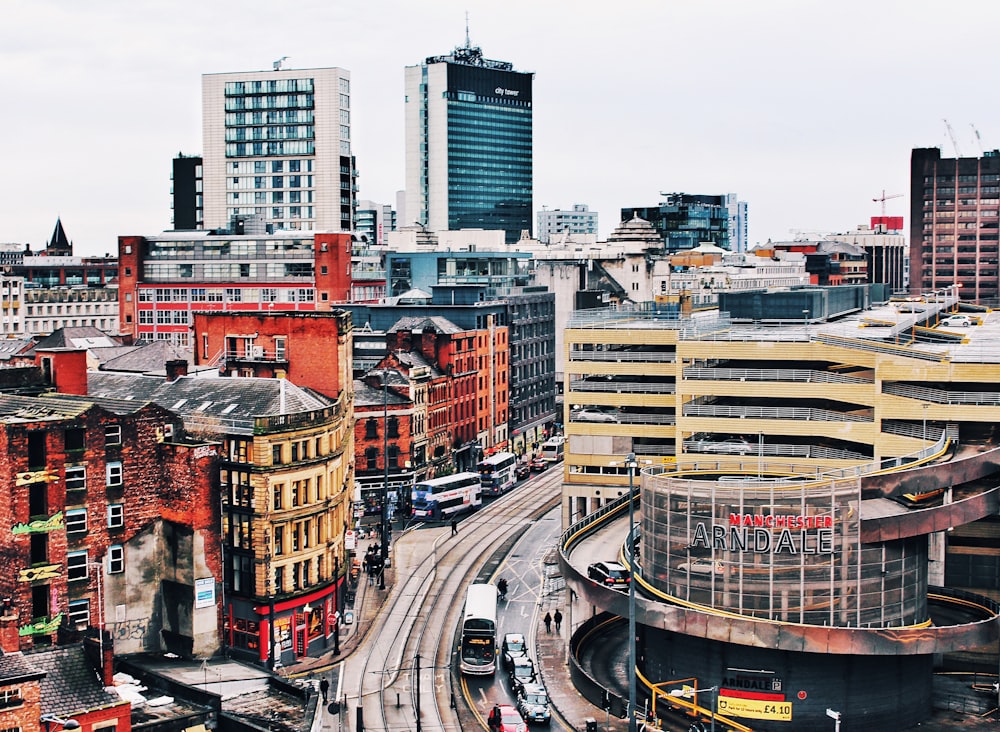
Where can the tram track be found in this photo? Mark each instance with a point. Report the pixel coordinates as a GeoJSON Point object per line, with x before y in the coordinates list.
{"type": "Point", "coordinates": [423, 610]}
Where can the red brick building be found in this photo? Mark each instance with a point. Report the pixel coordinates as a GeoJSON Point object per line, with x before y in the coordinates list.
{"type": "Point", "coordinates": [164, 279]}
{"type": "Point", "coordinates": [308, 349]}
{"type": "Point", "coordinates": [386, 429]}
{"type": "Point", "coordinates": [97, 492]}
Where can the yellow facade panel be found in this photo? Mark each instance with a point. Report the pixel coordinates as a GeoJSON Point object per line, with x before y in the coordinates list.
{"type": "Point", "coordinates": [621, 399]}
{"type": "Point", "coordinates": [849, 393]}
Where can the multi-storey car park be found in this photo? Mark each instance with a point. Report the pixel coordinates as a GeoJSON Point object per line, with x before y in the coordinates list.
{"type": "Point", "coordinates": [817, 500]}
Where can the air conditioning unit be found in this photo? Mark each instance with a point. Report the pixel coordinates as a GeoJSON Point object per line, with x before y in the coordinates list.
{"type": "Point", "coordinates": [257, 351]}
{"type": "Point", "coordinates": [168, 431]}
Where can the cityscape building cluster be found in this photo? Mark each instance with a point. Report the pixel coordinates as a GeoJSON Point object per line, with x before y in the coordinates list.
{"type": "Point", "coordinates": [196, 427]}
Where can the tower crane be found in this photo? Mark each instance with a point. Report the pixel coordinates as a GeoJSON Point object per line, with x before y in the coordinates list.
{"type": "Point", "coordinates": [954, 142]}
{"type": "Point", "coordinates": [979, 140]}
{"type": "Point", "coordinates": [883, 198]}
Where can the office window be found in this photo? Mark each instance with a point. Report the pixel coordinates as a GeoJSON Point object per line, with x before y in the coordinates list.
{"type": "Point", "coordinates": [11, 698]}
{"type": "Point", "coordinates": [76, 565]}
{"type": "Point", "coordinates": [116, 515]}
{"type": "Point", "coordinates": [79, 613]}
{"type": "Point", "coordinates": [76, 521]}
{"type": "Point", "coordinates": [116, 559]}
{"type": "Point", "coordinates": [76, 483]}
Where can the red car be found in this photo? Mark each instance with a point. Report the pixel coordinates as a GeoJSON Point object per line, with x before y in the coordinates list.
{"type": "Point", "coordinates": [505, 718]}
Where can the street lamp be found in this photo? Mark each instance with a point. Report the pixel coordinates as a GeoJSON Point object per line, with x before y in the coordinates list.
{"type": "Point", "coordinates": [384, 524]}
{"type": "Point", "coordinates": [691, 692]}
{"type": "Point", "coordinates": [631, 464]}
{"type": "Point", "coordinates": [925, 408]}
{"type": "Point", "coordinates": [51, 719]}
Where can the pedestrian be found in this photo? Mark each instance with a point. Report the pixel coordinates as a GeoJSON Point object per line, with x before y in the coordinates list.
{"type": "Point", "coordinates": [558, 618]}
{"type": "Point", "coordinates": [324, 687]}
{"type": "Point", "coordinates": [454, 527]}
{"type": "Point", "coordinates": [548, 622]}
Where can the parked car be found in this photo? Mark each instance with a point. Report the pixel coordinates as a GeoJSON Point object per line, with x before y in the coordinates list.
{"type": "Point", "coordinates": [539, 464]}
{"type": "Point", "coordinates": [522, 471]}
{"type": "Point", "coordinates": [957, 321]}
{"type": "Point", "coordinates": [521, 672]}
{"type": "Point", "coordinates": [505, 718]}
{"type": "Point", "coordinates": [701, 566]}
{"type": "Point", "coordinates": [591, 415]}
{"type": "Point", "coordinates": [611, 574]}
{"type": "Point", "coordinates": [731, 446]}
{"type": "Point", "coordinates": [513, 645]}
{"type": "Point", "coordinates": [533, 704]}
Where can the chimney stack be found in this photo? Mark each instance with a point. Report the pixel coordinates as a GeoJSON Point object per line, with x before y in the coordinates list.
{"type": "Point", "coordinates": [176, 369]}
{"type": "Point", "coordinates": [9, 640]}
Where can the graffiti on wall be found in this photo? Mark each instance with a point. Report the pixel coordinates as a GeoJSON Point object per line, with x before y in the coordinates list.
{"type": "Point", "coordinates": [42, 626]}
{"type": "Point", "coordinates": [134, 630]}
{"type": "Point", "coordinates": [39, 526]}
{"type": "Point", "coordinates": [43, 572]}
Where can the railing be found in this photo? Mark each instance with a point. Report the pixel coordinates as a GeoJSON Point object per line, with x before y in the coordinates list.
{"type": "Point", "coordinates": [939, 396]}
{"type": "Point", "coordinates": [793, 413]}
{"type": "Point", "coordinates": [817, 452]}
{"type": "Point", "coordinates": [628, 418]}
{"type": "Point", "coordinates": [797, 375]}
{"type": "Point", "coordinates": [636, 387]}
{"type": "Point", "coordinates": [859, 344]}
{"type": "Point", "coordinates": [368, 274]}
{"type": "Point", "coordinates": [632, 356]}
{"type": "Point", "coordinates": [256, 353]}
{"type": "Point", "coordinates": [909, 429]}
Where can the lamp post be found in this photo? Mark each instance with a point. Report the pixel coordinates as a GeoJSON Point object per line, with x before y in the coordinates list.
{"type": "Point", "coordinates": [631, 464]}
{"type": "Point", "coordinates": [925, 407]}
{"type": "Point", "coordinates": [336, 604]}
{"type": "Point", "coordinates": [384, 526]}
{"type": "Point", "coordinates": [715, 698]}
{"type": "Point", "coordinates": [50, 719]}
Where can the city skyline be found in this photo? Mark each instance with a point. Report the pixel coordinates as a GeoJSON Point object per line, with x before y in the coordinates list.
{"type": "Point", "coordinates": [807, 111]}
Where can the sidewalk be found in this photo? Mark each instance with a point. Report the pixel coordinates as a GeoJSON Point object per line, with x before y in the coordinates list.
{"type": "Point", "coordinates": [552, 652]}
{"type": "Point", "coordinates": [368, 602]}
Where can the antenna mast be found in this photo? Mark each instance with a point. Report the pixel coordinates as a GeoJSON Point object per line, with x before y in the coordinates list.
{"type": "Point", "coordinates": [468, 43]}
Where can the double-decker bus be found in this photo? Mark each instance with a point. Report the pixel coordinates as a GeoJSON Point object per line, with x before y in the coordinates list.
{"type": "Point", "coordinates": [496, 473]}
{"type": "Point", "coordinates": [439, 499]}
{"type": "Point", "coordinates": [479, 631]}
{"type": "Point", "coordinates": [552, 449]}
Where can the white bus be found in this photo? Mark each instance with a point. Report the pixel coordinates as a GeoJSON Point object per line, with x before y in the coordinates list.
{"type": "Point", "coordinates": [479, 631]}
{"type": "Point", "coordinates": [496, 473]}
{"type": "Point", "coordinates": [552, 449]}
{"type": "Point", "coordinates": [439, 499]}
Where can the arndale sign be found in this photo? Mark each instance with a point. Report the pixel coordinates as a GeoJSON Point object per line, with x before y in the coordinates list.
{"type": "Point", "coordinates": [767, 534]}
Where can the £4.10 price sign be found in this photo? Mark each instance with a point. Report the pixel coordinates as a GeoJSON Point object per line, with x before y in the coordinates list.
{"type": "Point", "coordinates": [755, 709]}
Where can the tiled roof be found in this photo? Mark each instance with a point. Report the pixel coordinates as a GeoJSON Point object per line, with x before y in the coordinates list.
{"type": "Point", "coordinates": [369, 396]}
{"type": "Point", "coordinates": [15, 668]}
{"type": "Point", "coordinates": [434, 323]}
{"type": "Point", "coordinates": [147, 358]}
{"type": "Point", "coordinates": [15, 408]}
{"type": "Point", "coordinates": [70, 685]}
{"type": "Point", "coordinates": [229, 400]}
{"type": "Point", "coordinates": [79, 337]}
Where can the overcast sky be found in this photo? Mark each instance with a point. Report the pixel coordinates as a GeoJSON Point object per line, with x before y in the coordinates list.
{"type": "Point", "coordinates": [807, 110]}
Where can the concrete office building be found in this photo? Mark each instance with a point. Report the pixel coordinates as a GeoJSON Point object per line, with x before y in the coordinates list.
{"type": "Point", "coordinates": [579, 220]}
{"type": "Point", "coordinates": [955, 223]}
{"type": "Point", "coordinates": [278, 144]}
{"type": "Point", "coordinates": [468, 144]}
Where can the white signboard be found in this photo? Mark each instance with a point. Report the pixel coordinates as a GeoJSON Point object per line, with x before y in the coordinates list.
{"type": "Point", "coordinates": [204, 592]}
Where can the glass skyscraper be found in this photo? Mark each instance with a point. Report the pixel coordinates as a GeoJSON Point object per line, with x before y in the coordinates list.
{"type": "Point", "coordinates": [468, 144]}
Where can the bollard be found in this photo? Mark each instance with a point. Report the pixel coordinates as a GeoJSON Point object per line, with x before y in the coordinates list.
{"type": "Point", "coordinates": [397, 700]}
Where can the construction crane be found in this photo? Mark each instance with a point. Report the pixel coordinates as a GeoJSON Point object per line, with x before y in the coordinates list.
{"type": "Point", "coordinates": [883, 198]}
{"type": "Point", "coordinates": [954, 142]}
{"type": "Point", "coordinates": [979, 140]}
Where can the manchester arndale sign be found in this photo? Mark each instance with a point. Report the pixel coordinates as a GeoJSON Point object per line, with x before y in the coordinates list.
{"type": "Point", "coordinates": [767, 534]}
